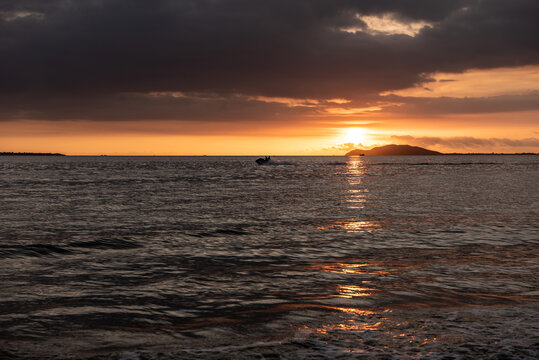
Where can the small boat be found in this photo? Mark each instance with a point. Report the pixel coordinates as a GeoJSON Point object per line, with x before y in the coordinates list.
{"type": "Point", "coordinates": [264, 160]}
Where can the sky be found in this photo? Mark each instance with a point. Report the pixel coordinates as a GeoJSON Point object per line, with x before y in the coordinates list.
{"type": "Point", "coordinates": [268, 77]}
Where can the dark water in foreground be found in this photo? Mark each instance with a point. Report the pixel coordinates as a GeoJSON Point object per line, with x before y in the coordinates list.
{"type": "Point", "coordinates": [308, 257]}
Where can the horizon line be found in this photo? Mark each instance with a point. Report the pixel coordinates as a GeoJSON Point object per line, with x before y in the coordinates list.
{"type": "Point", "coordinates": [12, 153]}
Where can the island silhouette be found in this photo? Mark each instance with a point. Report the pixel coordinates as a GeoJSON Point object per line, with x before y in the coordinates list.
{"type": "Point", "coordinates": [393, 150]}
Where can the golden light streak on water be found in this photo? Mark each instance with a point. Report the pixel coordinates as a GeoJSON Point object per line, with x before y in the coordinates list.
{"type": "Point", "coordinates": [352, 291]}
{"type": "Point", "coordinates": [352, 226]}
{"type": "Point", "coordinates": [344, 268]}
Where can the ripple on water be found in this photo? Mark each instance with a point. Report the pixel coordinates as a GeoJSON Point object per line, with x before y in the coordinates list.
{"type": "Point", "coordinates": [222, 258]}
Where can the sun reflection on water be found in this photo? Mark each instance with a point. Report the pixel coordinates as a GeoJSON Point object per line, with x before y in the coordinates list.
{"type": "Point", "coordinates": [349, 327]}
{"type": "Point", "coordinates": [352, 291]}
{"type": "Point", "coordinates": [368, 332]}
{"type": "Point", "coordinates": [346, 268]}
{"type": "Point", "coordinates": [355, 171]}
{"type": "Point", "coordinates": [352, 226]}
{"type": "Point", "coordinates": [357, 195]}
{"type": "Point", "coordinates": [356, 198]}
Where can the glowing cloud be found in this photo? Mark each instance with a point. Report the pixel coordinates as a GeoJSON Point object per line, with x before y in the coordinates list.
{"type": "Point", "coordinates": [476, 83]}
{"type": "Point", "coordinates": [16, 15]}
{"type": "Point", "coordinates": [291, 102]}
{"type": "Point", "coordinates": [351, 111]}
{"type": "Point", "coordinates": [388, 24]}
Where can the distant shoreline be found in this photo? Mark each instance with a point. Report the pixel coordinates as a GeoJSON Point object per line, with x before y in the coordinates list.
{"type": "Point", "coordinates": [458, 154]}
{"type": "Point", "coordinates": [481, 154]}
{"type": "Point", "coordinates": [29, 154]}
{"type": "Point", "coordinates": [441, 154]}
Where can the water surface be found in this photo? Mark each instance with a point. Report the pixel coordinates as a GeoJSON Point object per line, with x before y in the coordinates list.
{"type": "Point", "coordinates": [217, 257]}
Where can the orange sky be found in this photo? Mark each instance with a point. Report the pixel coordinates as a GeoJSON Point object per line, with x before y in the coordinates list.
{"type": "Point", "coordinates": [326, 128]}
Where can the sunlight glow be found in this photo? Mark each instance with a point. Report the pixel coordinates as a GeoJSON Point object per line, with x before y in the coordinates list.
{"type": "Point", "coordinates": [339, 101]}
{"type": "Point", "coordinates": [355, 135]}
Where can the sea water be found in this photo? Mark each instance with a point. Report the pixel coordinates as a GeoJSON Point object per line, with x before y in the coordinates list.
{"type": "Point", "coordinates": [302, 258]}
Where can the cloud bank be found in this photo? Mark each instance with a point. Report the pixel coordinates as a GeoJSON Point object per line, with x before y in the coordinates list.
{"type": "Point", "coordinates": [102, 59]}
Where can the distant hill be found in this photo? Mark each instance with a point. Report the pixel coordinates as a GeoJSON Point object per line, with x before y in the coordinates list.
{"type": "Point", "coordinates": [393, 150]}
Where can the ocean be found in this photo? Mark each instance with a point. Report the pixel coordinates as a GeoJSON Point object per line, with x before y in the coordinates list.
{"type": "Point", "coordinates": [419, 257]}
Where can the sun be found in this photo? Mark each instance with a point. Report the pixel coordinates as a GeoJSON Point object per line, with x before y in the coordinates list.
{"type": "Point", "coordinates": [355, 135]}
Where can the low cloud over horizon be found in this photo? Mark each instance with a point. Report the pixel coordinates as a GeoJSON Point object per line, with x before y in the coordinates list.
{"type": "Point", "coordinates": [466, 142]}
{"type": "Point", "coordinates": [461, 144]}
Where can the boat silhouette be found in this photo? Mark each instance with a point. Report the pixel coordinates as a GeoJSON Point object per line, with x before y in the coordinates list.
{"type": "Point", "coordinates": [264, 160]}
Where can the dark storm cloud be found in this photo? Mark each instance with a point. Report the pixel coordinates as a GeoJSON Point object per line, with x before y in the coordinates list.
{"type": "Point", "coordinates": [137, 106]}
{"type": "Point", "coordinates": [84, 50]}
{"type": "Point", "coordinates": [41, 6]}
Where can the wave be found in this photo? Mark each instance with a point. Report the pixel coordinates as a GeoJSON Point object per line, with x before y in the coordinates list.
{"type": "Point", "coordinates": [279, 162]}
{"type": "Point", "coordinates": [34, 250]}
{"type": "Point", "coordinates": [103, 244]}
{"type": "Point", "coordinates": [437, 164]}
{"type": "Point", "coordinates": [40, 250]}
{"type": "Point", "coordinates": [220, 232]}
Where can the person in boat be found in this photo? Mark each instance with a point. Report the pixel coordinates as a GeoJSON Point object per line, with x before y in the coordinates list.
{"type": "Point", "coordinates": [264, 160]}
